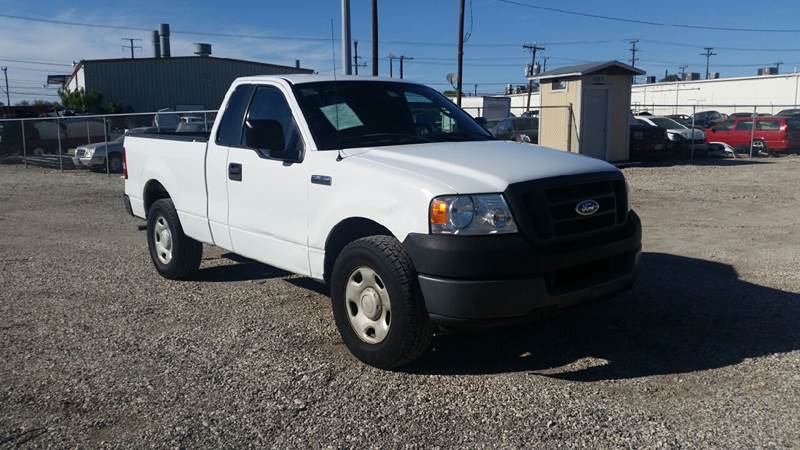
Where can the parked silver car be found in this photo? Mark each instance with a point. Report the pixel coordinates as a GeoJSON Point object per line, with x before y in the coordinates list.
{"type": "Point", "coordinates": [93, 156]}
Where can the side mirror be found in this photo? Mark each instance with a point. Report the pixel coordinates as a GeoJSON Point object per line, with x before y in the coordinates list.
{"type": "Point", "coordinates": [267, 138]}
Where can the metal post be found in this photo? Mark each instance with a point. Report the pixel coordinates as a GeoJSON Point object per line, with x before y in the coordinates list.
{"type": "Point", "coordinates": [691, 152]}
{"type": "Point", "coordinates": [58, 133]}
{"type": "Point", "coordinates": [374, 38]}
{"type": "Point", "coordinates": [205, 121]}
{"type": "Point", "coordinates": [346, 61]}
{"type": "Point", "coordinates": [105, 140]}
{"type": "Point", "coordinates": [569, 126]}
{"type": "Point", "coordinates": [24, 146]}
{"type": "Point", "coordinates": [460, 52]}
{"type": "Point", "coordinates": [753, 129]}
{"type": "Point", "coordinates": [88, 138]}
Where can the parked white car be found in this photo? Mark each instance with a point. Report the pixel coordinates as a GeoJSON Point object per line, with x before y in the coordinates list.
{"type": "Point", "coordinates": [414, 220]}
{"type": "Point", "coordinates": [679, 134]}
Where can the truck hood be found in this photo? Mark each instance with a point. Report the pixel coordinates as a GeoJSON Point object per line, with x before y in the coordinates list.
{"type": "Point", "coordinates": [484, 166]}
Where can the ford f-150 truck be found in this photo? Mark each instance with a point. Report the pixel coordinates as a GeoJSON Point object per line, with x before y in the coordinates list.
{"type": "Point", "coordinates": [412, 213]}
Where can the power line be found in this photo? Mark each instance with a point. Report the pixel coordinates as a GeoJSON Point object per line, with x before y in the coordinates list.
{"type": "Point", "coordinates": [24, 61]}
{"type": "Point", "coordinates": [425, 43]}
{"type": "Point", "coordinates": [648, 22]}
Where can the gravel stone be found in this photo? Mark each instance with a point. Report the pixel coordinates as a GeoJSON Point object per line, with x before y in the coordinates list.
{"type": "Point", "coordinates": [98, 351]}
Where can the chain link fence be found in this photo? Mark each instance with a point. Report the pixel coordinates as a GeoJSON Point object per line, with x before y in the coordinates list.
{"type": "Point", "coordinates": [744, 130]}
{"type": "Point", "coordinates": [91, 141]}
{"type": "Point", "coordinates": [523, 124]}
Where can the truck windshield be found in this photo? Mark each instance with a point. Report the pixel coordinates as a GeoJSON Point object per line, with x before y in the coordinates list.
{"type": "Point", "coordinates": [349, 114]}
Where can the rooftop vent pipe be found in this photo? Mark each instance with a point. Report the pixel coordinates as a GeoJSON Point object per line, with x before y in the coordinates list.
{"type": "Point", "coordinates": [156, 45]}
{"type": "Point", "coordinates": [163, 30]}
{"type": "Point", "coordinates": [201, 49]}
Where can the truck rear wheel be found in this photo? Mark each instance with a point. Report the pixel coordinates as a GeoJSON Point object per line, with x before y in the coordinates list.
{"type": "Point", "coordinates": [377, 303]}
{"type": "Point", "coordinates": [174, 254]}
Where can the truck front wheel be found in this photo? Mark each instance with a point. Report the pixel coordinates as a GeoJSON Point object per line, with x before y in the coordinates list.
{"type": "Point", "coordinates": [174, 254]}
{"type": "Point", "coordinates": [377, 303]}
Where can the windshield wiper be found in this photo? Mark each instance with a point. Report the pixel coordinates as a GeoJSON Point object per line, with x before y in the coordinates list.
{"type": "Point", "coordinates": [385, 138]}
{"type": "Point", "coordinates": [458, 137]}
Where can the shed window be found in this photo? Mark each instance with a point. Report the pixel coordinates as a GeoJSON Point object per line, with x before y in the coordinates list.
{"type": "Point", "coordinates": [559, 85]}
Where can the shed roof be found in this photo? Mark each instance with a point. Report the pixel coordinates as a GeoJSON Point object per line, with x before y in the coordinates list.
{"type": "Point", "coordinates": [585, 69]}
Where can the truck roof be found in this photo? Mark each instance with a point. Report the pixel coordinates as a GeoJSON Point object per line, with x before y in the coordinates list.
{"type": "Point", "coordinates": [308, 78]}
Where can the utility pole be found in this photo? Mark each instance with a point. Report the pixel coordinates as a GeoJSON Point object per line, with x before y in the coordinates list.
{"type": "Point", "coordinates": [391, 59]}
{"type": "Point", "coordinates": [531, 48]}
{"type": "Point", "coordinates": [475, 92]}
{"type": "Point", "coordinates": [374, 38]}
{"type": "Point", "coordinates": [544, 63]}
{"type": "Point", "coordinates": [460, 51]}
{"type": "Point", "coordinates": [633, 52]}
{"type": "Point", "coordinates": [132, 45]}
{"type": "Point", "coordinates": [346, 62]}
{"type": "Point", "coordinates": [403, 58]}
{"type": "Point", "coordinates": [356, 64]}
{"type": "Point", "coordinates": [8, 94]}
{"type": "Point", "coordinates": [708, 54]}
{"type": "Point", "coordinates": [682, 71]}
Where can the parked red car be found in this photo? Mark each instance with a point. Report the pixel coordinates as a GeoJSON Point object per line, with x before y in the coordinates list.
{"type": "Point", "coordinates": [772, 134]}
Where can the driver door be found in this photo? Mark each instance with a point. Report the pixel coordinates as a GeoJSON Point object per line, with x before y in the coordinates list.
{"type": "Point", "coordinates": [267, 197]}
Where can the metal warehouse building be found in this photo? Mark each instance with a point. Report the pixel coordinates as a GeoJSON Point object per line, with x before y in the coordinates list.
{"type": "Point", "coordinates": [778, 90]}
{"type": "Point", "coordinates": [178, 82]}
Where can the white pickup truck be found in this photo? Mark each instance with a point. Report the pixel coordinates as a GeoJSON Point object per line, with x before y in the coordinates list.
{"type": "Point", "coordinates": [415, 216]}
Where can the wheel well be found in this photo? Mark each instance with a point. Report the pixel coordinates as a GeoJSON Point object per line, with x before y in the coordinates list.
{"type": "Point", "coordinates": [153, 191]}
{"type": "Point", "coordinates": [346, 232]}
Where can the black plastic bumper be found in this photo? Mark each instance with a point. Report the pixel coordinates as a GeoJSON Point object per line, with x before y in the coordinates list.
{"type": "Point", "coordinates": [506, 278]}
{"type": "Point", "coordinates": [127, 202]}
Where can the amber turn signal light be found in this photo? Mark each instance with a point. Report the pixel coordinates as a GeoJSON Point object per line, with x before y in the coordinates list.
{"type": "Point", "coordinates": [438, 212]}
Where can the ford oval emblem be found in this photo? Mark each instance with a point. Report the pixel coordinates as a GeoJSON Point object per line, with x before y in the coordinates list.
{"type": "Point", "coordinates": [587, 207]}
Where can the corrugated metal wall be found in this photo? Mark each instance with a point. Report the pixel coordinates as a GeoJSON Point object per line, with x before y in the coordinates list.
{"type": "Point", "coordinates": [150, 84]}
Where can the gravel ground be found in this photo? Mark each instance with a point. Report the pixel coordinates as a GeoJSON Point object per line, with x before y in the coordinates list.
{"type": "Point", "coordinates": [98, 351]}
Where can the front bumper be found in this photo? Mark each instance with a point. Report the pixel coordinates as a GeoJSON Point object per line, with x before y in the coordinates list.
{"type": "Point", "coordinates": [468, 280]}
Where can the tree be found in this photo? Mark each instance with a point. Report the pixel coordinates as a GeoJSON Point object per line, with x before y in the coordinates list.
{"type": "Point", "coordinates": [89, 101]}
{"type": "Point", "coordinates": [671, 77]}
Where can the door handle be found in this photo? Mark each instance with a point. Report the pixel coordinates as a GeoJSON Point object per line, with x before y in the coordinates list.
{"type": "Point", "coordinates": [235, 172]}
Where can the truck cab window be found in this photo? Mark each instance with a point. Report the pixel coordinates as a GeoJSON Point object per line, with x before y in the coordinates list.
{"type": "Point", "coordinates": [229, 133]}
{"type": "Point", "coordinates": [269, 103]}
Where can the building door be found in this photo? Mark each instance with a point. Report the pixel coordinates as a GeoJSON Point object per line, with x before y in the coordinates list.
{"type": "Point", "coordinates": [594, 141]}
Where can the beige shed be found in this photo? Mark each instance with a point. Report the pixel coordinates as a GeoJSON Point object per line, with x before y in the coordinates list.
{"type": "Point", "coordinates": [586, 109]}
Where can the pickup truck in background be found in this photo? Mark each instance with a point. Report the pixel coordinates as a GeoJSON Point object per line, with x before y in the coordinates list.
{"type": "Point", "coordinates": [414, 220]}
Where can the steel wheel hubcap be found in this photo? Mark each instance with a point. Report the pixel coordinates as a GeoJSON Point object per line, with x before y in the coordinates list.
{"type": "Point", "coordinates": [367, 305]}
{"type": "Point", "coordinates": [163, 240]}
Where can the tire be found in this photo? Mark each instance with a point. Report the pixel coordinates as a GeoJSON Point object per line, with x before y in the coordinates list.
{"type": "Point", "coordinates": [115, 163]}
{"type": "Point", "coordinates": [174, 254]}
{"type": "Point", "coordinates": [400, 334]}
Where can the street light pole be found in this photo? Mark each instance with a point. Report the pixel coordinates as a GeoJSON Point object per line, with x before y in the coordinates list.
{"type": "Point", "coordinates": [346, 62]}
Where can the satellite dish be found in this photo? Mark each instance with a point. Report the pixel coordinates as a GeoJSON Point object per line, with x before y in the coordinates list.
{"type": "Point", "coordinates": [451, 78]}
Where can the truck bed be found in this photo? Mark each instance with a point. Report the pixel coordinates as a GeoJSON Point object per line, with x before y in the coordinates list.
{"type": "Point", "coordinates": [177, 162]}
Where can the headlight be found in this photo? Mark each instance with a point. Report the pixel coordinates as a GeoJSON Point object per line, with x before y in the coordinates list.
{"type": "Point", "coordinates": [89, 153]}
{"type": "Point", "coordinates": [471, 215]}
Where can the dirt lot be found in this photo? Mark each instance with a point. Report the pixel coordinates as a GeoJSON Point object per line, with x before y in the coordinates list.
{"type": "Point", "coordinates": [97, 350]}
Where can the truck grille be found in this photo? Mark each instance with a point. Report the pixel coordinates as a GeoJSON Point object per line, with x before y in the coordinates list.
{"type": "Point", "coordinates": [547, 208]}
